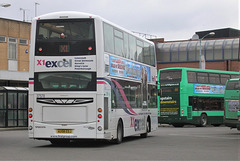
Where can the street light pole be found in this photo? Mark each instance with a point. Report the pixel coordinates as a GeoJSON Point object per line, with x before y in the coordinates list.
{"type": "Point", "coordinates": [24, 11]}
{"type": "Point", "coordinates": [202, 62]}
{"type": "Point", "coordinates": [36, 8]}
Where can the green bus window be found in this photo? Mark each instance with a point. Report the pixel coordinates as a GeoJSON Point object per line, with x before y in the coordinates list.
{"type": "Point", "coordinates": [214, 78]}
{"type": "Point", "coordinates": [191, 77]}
{"type": "Point", "coordinates": [202, 78]}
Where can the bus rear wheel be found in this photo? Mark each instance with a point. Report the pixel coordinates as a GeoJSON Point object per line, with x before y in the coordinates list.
{"type": "Point", "coordinates": [203, 120]}
{"type": "Point", "coordinates": [148, 129]}
{"type": "Point", "coordinates": [119, 138]}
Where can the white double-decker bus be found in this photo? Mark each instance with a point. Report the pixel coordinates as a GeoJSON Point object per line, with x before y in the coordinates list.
{"type": "Point", "coordinates": [89, 79]}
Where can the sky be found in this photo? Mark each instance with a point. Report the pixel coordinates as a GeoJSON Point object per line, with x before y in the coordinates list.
{"type": "Point", "coordinates": [168, 19]}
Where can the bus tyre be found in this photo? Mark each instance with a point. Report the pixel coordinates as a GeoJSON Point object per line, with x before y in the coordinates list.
{"type": "Point", "coordinates": [203, 120]}
{"type": "Point", "coordinates": [148, 129]}
{"type": "Point", "coordinates": [119, 133]}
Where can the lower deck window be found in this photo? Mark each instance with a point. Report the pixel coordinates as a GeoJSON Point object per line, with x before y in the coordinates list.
{"type": "Point", "coordinates": [206, 103]}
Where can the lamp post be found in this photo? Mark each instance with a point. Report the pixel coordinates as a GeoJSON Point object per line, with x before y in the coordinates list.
{"type": "Point", "coordinates": [202, 62]}
{"type": "Point", "coordinates": [5, 5]}
{"type": "Point", "coordinates": [24, 11]}
{"type": "Point", "coordinates": [36, 8]}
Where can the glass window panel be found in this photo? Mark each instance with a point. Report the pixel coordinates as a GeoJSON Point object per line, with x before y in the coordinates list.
{"type": "Point", "coordinates": [209, 50]}
{"type": "Point", "coordinates": [118, 34]}
{"type": "Point", "coordinates": [12, 114]}
{"type": "Point", "coordinates": [108, 38]}
{"type": "Point", "coordinates": [228, 49]}
{"type": "Point", "coordinates": [147, 54]}
{"type": "Point", "coordinates": [3, 100]}
{"type": "Point", "coordinates": [139, 51]}
{"type": "Point", "coordinates": [233, 85]}
{"type": "Point", "coordinates": [174, 52]}
{"type": "Point", "coordinates": [235, 48]}
{"type": "Point", "coordinates": [12, 100]}
{"type": "Point", "coordinates": [12, 49]}
{"type": "Point", "coordinates": [22, 122]}
{"type": "Point", "coordinates": [22, 114]}
{"type": "Point", "coordinates": [234, 76]}
{"type": "Point", "coordinates": [153, 55]}
{"type": "Point", "coordinates": [191, 77]}
{"type": "Point", "coordinates": [65, 81]}
{"type": "Point", "coordinates": [152, 93]}
{"type": "Point", "coordinates": [132, 92]}
{"type": "Point", "coordinates": [183, 51]}
{"type": "Point", "coordinates": [12, 122]}
{"type": "Point", "coordinates": [224, 78]}
{"type": "Point", "coordinates": [197, 50]}
{"type": "Point", "coordinates": [165, 52]}
{"type": "Point", "coordinates": [118, 46]}
{"type": "Point", "coordinates": [202, 77]}
{"type": "Point", "coordinates": [191, 51]}
{"type": "Point", "coordinates": [125, 44]}
{"type": "Point", "coordinates": [214, 78]}
{"type": "Point", "coordinates": [2, 118]}
{"type": "Point", "coordinates": [22, 101]}
{"type": "Point", "coordinates": [65, 37]}
{"type": "Point", "coordinates": [171, 76]}
{"type": "Point", "coordinates": [132, 47]}
{"type": "Point", "coordinates": [218, 50]}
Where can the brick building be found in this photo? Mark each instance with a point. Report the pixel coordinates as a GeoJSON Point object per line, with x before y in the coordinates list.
{"type": "Point", "coordinates": [14, 67]}
{"type": "Point", "coordinates": [14, 52]}
{"type": "Point", "coordinates": [221, 51]}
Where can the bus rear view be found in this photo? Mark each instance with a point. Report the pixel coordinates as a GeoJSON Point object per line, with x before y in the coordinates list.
{"type": "Point", "coordinates": [85, 85]}
{"type": "Point", "coordinates": [63, 71]}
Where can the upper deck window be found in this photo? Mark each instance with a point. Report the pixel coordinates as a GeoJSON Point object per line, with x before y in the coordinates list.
{"type": "Point", "coordinates": [65, 37]}
{"type": "Point", "coordinates": [170, 76]}
{"type": "Point", "coordinates": [233, 85]}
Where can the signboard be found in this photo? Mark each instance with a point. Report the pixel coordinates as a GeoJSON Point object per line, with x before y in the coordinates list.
{"type": "Point", "coordinates": [69, 63]}
{"type": "Point", "coordinates": [123, 68]}
{"type": "Point", "coordinates": [209, 89]}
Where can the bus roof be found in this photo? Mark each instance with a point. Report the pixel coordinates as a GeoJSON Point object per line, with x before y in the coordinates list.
{"type": "Point", "coordinates": [200, 70]}
{"type": "Point", "coordinates": [76, 14]}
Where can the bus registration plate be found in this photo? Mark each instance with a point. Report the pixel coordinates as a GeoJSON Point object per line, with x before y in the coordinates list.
{"type": "Point", "coordinates": [64, 131]}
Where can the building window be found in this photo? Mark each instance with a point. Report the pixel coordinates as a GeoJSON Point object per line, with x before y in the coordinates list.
{"type": "Point", "coordinates": [23, 41]}
{"type": "Point", "coordinates": [2, 39]}
{"type": "Point", "coordinates": [12, 48]}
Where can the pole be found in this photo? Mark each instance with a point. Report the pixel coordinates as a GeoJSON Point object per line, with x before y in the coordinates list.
{"type": "Point", "coordinates": [202, 62]}
{"type": "Point", "coordinates": [36, 8]}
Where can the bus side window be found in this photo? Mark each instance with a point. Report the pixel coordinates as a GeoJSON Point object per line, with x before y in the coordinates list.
{"type": "Point", "coordinates": [114, 100]}
{"type": "Point", "coordinates": [193, 103]}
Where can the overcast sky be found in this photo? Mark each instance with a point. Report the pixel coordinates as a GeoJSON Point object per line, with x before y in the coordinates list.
{"type": "Point", "coordinates": [169, 19]}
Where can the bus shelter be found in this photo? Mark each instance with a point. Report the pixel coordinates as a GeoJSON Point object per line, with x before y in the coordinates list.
{"type": "Point", "coordinates": [13, 107]}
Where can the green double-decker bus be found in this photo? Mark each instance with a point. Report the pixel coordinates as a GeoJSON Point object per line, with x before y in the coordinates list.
{"type": "Point", "coordinates": [192, 96]}
{"type": "Point", "coordinates": [232, 104]}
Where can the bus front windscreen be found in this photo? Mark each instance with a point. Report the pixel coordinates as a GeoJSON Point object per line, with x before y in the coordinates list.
{"type": "Point", "coordinates": [65, 81]}
{"type": "Point", "coordinates": [68, 37]}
